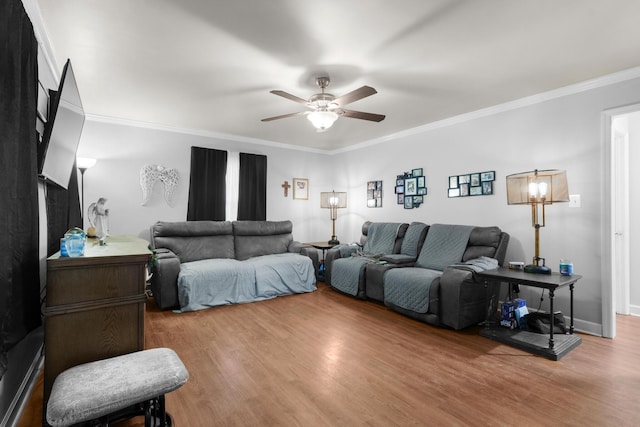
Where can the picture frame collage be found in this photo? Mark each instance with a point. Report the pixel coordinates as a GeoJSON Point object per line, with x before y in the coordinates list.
{"type": "Point", "coordinates": [411, 188]}
{"type": "Point", "coordinates": [374, 194]}
{"type": "Point", "coordinates": [472, 184]}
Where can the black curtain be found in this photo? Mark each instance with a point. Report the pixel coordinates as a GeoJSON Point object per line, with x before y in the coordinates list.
{"type": "Point", "coordinates": [63, 211]}
{"type": "Point", "coordinates": [207, 185]}
{"type": "Point", "coordinates": [252, 198]}
{"type": "Point", "coordinates": [19, 260]}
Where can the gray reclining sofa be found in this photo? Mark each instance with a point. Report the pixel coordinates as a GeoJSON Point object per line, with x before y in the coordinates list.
{"type": "Point", "coordinates": [435, 282]}
{"type": "Point", "coordinates": [200, 264]}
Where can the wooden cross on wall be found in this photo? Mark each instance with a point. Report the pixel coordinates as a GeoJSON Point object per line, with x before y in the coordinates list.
{"type": "Point", "coordinates": [286, 187]}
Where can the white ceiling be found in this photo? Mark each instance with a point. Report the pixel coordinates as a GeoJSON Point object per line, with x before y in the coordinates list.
{"type": "Point", "coordinates": [209, 65]}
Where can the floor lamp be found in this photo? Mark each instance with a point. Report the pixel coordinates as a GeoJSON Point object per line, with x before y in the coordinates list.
{"type": "Point", "coordinates": [83, 163]}
{"type": "Point", "coordinates": [333, 201]}
{"type": "Point", "coordinates": [538, 189]}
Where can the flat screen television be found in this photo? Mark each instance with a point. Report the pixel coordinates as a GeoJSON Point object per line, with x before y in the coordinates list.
{"type": "Point", "coordinates": [57, 153]}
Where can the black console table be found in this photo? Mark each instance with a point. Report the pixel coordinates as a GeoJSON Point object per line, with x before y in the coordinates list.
{"type": "Point", "coordinates": [552, 347]}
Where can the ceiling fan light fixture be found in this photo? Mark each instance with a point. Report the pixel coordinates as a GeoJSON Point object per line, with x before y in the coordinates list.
{"type": "Point", "coordinates": [322, 119]}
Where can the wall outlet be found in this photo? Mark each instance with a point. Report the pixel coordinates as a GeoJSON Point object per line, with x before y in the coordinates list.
{"type": "Point", "coordinates": [574, 201]}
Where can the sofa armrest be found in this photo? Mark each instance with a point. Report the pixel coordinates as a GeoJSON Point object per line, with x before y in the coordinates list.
{"type": "Point", "coordinates": [164, 282]}
{"type": "Point", "coordinates": [463, 300]}
{"type": "Point", "coordinates": [399, 260]}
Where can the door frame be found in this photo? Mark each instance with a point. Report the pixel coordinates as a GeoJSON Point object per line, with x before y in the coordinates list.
{"type": "Point", "coordinates": [612, 240]}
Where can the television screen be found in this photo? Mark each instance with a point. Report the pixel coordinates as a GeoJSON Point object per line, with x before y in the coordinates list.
{"type": "Point", "coordinates": [62, 131]}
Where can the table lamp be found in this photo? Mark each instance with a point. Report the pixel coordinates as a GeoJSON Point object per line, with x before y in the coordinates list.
{"type": "Point", "coordinates": [333, 201]}
{"type": "Point", "coordinates": [537, 188]}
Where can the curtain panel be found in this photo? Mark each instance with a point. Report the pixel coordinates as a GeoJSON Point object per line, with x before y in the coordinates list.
{"type": "Point", "coordinates": [207, 185]}
{"type": "Point", "coordinates": [19, 258]}
{"type": "Point", "coordinates": [252, 197]}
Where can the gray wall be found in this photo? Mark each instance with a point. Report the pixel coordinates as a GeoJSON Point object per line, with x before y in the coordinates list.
{"type": "Point", "coordinates": [563, 132]}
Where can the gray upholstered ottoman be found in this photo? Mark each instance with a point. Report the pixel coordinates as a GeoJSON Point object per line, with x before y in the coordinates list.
{"type": "Point", "coordinates": [104, 390]}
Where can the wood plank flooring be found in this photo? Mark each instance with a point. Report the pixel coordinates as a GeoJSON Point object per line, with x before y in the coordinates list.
{"type": "Point", "coordinates": [325, 359]}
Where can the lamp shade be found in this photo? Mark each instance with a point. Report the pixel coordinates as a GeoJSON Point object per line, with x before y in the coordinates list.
{"type": "Point", "coordinates": [322, 119]}
{"type": "Point", "coordinates": [85, 162]}
{"type": "Point", "coordinates": [538, 186]}
{"type": "Point", "coordinates": [332, 199]}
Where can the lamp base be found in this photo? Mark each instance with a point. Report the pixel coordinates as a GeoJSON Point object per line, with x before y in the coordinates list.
{"type": "Point", "coordinates": [334, 242]}
{"type": "Point", "coordinates": [537, 269]}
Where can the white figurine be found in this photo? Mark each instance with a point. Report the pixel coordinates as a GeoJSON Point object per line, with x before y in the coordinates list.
{"type": "Point", "coordinates": [98, 217]}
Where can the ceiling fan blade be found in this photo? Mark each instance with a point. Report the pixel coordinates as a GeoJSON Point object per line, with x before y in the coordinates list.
{"type": "Point", "coordinates": [289, 96]}
{"type": "Point", "coordinates": [284, 116]}
{"type": "Point", "coordinates": [363, 116]}
{"type": "Point", "coordinates": [355, 95]}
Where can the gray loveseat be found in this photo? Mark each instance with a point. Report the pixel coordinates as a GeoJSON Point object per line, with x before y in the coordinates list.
{"type": "Point", "coordinates": [432, 278]}
{"type": "Point", "coordinates": [200, 264]}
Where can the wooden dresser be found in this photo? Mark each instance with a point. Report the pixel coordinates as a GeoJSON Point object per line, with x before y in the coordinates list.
{"type": "Point", "coordinates": [94, 305]}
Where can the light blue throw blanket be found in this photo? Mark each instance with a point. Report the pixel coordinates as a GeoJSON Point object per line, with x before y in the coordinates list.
{"type": "Point", "coordinates": [381, 238]}
{"type": "Point", "coordinates": [345, 272]}
{"type": "Point", "coordinates": [283, 274]}
{"type": "Point", "coordinates": [445, 244]}
{"type": "Point", "coordinates": [213, 282]}
{"type": "Point", "coordinates": [409, 287]}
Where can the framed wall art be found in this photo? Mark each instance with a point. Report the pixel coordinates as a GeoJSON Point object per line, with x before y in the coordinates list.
{"type": "Point", "coordinates": [374, 194]}
{"type": "Point", "coordinates": [300, 189]}
{"type": "Point", "coordinates": [471, 184]}
{"type": "Point", "coordinates": [411, 188]}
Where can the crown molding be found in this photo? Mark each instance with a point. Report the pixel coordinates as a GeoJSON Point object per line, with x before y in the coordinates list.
{"type": "Point", "coordinates": [40, 30]}
{"type": "Point", "coordinates": [539, 98]}
{"type": "Point", "coordinates": [198, 132]}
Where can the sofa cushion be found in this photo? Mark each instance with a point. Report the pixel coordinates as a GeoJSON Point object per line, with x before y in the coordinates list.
{"type": "Point", "coordinates": [445, 244]}
{"type": "Point", "coordinates": [195, 240]}
{"type": "Point", "coordinates": [257, 238]}
{"type": "Point", "coordinates": [483, 241]}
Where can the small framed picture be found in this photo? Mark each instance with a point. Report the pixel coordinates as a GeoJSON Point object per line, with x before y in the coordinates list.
{"type": "Point", "coordinates": [454, 192]}
{"type": "Point", "coordinates": [487, 187]}
{"type": "Point", "coordinates": [408, 202]}
{"type": "Point", "coordinates": [421, 182]}
{"type": "Point", "coordinates": [300, 189]}
{"type": "Point", "coordinates": [417, 200]}
{"type": "Point", "coordinates": [464, 179]}
{"type": "Point", "coordinates": [475, 191]}
{"type": "Point", "coordinates": [475, 179]}
{"type": "Point", "coordinates": [422, 191]}
{"type": "Point", "coordinates": [401, 199]}
{"type": "Point", "coordinates": [410, 187]}
{"type": "Point", "coordinates": [453, 182]}
{"type": "Point", "coordinates": [399, 181]}
{"type": "Point", "coordinates": [488, 176]}
{"type": "Point", "coordinates": [416, 172]}
{"type": "Point", "coordinates": [399, 189]}
{"type": "Point", "coordinates": [464, 189]}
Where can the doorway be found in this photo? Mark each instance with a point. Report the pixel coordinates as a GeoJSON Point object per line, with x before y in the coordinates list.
{"type": "Point", "coordinates": [622, 134]}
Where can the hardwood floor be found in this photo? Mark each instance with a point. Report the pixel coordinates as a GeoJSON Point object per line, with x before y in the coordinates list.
{"type": "Point", "coordinates": [325, 359]}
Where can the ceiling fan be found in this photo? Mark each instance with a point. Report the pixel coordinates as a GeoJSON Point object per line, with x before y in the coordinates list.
{"type": "Point", "coordinates": [326, 108]}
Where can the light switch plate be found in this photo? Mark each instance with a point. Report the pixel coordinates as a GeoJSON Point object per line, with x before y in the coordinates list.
{"type": "Point", "coordinates": [574, 201]}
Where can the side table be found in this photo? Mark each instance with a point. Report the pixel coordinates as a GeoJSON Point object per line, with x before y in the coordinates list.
{"type": "Point", "coordinates": [552, 347]}
{"type": "Point", "coordinates": [323, 246]}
